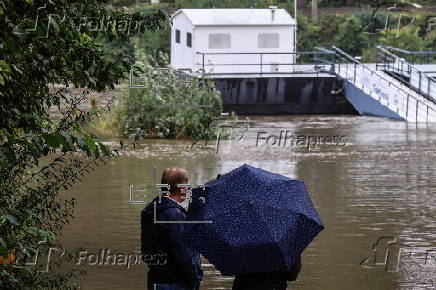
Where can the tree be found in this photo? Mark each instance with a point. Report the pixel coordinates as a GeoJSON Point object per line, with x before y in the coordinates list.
{"type": "Point", "coordinates": [43, 43]}
{"type": "Point", "coordinates": [307, 34]}
{"type": "Point", "coordinates": [407, 39]}
{"type": "Point", "coordinates": [350, 37]}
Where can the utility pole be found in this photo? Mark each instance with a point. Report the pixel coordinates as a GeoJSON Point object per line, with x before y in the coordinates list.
{"type": "Point", "coordinates": [296, 25]}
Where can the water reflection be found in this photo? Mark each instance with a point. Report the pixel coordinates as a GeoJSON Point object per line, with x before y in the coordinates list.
{"type": "Point", "coordinates": [380, 184]}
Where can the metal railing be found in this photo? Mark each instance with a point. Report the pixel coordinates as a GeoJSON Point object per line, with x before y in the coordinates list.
{"type": "Point", "coordinates": [415, 57]}
{"type": "Point", "coordinates": [405, 72]}
{"type": "Point", "coordinates": [265, 63]}
{"type": "Point", "coordinates": [408, 103]}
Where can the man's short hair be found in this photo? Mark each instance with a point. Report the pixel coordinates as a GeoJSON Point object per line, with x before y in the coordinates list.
{"type": "Point", "coordinates": [173, 177]}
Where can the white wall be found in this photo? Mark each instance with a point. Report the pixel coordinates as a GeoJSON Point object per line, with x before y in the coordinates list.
{"type": "Point", "coordinates": [243, 39]}
{"type": "Point", "coordinates": [182, 57]}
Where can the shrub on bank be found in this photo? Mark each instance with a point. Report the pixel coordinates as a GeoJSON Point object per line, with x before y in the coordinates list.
{"type": "Point", "coordinates": [167, 106]}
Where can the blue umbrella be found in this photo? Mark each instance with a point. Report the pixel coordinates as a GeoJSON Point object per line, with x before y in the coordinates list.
{"type": "Point", "coordinates": [261, 221]}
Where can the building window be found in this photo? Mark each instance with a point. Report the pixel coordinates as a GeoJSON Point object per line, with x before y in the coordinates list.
{"type": "Point", "coordinates": [268, 40]}
{"type": "Point", "coordinates": [219, 40]}
{"type": "Point", "coordinates": [188, 39]}
{"type": "Point", "coordinates": [177, 36]}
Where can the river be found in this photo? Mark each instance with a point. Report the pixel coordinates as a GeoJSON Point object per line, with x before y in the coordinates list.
{"type": "Point", "coordinates": [377, 183]}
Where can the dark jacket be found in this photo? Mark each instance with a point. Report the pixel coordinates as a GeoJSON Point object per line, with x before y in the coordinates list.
{"type": "Point", "coordinates": [182, 263]}
{"type": "Point", "coordinates": [267, 281]}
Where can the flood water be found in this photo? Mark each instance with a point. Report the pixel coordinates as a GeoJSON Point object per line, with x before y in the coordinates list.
{"type": "Point", "coordinates": [379, 183]}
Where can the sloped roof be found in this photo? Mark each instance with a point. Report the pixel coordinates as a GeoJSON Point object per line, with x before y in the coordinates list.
{"type": "Point", "coordinates": [249, 16]}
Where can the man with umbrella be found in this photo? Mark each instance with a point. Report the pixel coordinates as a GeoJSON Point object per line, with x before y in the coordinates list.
{"type": "Point", "coordinates": [161, 234]}
{"type": "Point", "coordinates": [260, 223]}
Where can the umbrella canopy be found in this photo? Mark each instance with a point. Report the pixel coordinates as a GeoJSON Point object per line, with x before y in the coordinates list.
{"type": "Point", "coordinates": [261, 221]}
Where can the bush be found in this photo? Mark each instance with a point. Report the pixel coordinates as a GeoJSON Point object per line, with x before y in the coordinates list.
{"type": "Point", "coordinates": [141, 115]}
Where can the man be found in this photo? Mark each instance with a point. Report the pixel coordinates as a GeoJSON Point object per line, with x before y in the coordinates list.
{"type": "Point", "coordinates": [182, 269]}
{"type": "Point", "coordinates": [267, 281]}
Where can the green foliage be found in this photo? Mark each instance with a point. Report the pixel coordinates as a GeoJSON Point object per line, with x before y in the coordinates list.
{"type": "Point", "coordinates": [264, 3]}
{"type": "Point", "coordinates": [365, 3]}
{"type": "Point", "coordinates": [342, 31]}
{"type": "Point", "coordinates": [350, 37]}
{"type": "Point", "coordinates": [40, 155]}
{"type": "Point", "coordinates": [307, 34]}
{"type": "Point", "coordinates": [356, 32]}
{"type": "Point", "coordinates": [407, 39]}
{"type": "Point", "coordinates": [224, 3]}
{"type": "Point", "coordinates": [327, 29]}
{"type": "Point", "coordinates": [141, 115]}
{"type": "Point", "coordinates": [430, 39]}
{"type": "Point", "coordinates": [152, 42]}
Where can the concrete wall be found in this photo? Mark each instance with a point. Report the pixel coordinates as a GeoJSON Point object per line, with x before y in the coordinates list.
{"type": "Point", "coordinates": [281, 95]}
{"type": "Point", "coordinates": [366, 105]}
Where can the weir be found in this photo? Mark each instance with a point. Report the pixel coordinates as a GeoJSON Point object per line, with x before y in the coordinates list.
{"type": "Point", "coordinates": [322, 82]}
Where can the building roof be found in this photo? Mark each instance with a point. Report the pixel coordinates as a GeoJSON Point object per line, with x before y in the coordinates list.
{"type": "Point", "coordinates": [251, 16]}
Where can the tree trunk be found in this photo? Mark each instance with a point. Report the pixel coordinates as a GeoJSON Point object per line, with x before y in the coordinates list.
{"type": "Point", "coordinates": [301, 3]}
{"type": "Point", "coordinates": [314, 10]}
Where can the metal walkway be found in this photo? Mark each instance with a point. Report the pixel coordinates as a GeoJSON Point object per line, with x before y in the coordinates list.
{"type": "Point", "coordinates": [393, 87]}
{"type": "Point", "coordinates": [372, 90]}
{"type": "Point", "coordinates": [420, 77]}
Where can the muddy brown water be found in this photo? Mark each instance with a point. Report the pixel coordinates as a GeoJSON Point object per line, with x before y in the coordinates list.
{"type": "Point", "coordinates": [377, 184]}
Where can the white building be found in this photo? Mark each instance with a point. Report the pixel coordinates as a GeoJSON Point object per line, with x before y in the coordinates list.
{"type": "Point", "coordinates": [232, 41]}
